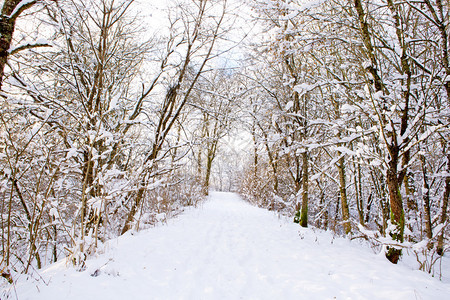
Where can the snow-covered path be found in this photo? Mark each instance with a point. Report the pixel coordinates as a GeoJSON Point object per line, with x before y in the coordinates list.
{"type": "Point", "coordinates": [228, 249]}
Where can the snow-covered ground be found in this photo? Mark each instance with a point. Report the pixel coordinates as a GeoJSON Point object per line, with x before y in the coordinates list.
{"type": "Point", "coordinates": [228, 249]}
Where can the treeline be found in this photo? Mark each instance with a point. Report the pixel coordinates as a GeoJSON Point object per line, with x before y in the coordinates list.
{"type": "Point", "coordinates": [113, 120]}
{"type": "Point", "coordinates": [349, 113]}
{"type": "Point", "coordinates": [105, 114]}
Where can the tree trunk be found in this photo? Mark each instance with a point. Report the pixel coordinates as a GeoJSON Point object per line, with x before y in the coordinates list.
{"type": "Point", "coordinates": [426, 200]}
{"type": "Point", "coordinates": [381, 195]}
{"type": "Point", "coordinates": [368, 206]}
{"type": "Point", "coordinates": [134, 208]}
{"type": "Point", "coordinates": [358, 190]}
{"type": "Point", "coordinates": [199, 164]}
{"type": "Point", "coordinates": [7, 26]}
{"type": "Point", "coordinates": [336, 214]}
{"type": "Point", "coordinates": [255, 152]}
{"type": "Point", "coordinates": [343, 195]}
{"type": "Point", "coordinates": [272, 162]}
{"type": "Point", "coordinates": [411, 204]}
{"type": "Point", "coordinates": [440, 245]}
{"type": "Point", "coordinates": [305, 183]}
{"type": "Point", "coordinates": [397, 214]}
{"type": "Point", "coordinates": [209, 162]}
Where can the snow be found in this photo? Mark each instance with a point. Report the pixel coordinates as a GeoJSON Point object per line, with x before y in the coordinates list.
{"type": "Point", "coordinates": [346, 150]}
{"type": "Point", "coordinates": [19, 6]}
{"type": "Point", "coordinates": [53, 212]}
{"type": "Point", "coordinates": [71, 152]}
{"type": "Point", "coordinates": [289, 105]}
{"type": "Point", "coordinates": [39, 42]}
{"type": "Point", "coordinates": [310, 4]}
{"type": "Point", "coordinates": [304, 87]}
{"type": "Point", "coordinates": [228, 249]}
{"type": "Point", "coordinates": [347, 108]}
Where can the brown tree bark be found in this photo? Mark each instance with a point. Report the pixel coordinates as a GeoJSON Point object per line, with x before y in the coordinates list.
{"type": "Point", "coordinates": [305, 186]}
{"type": "Point", "coordinates": [444, 217]}
{"type": "Point", "coordinates": [209, 160]}
{"type": "Point", "coordinates": [9, 14]}
{"type": "Point", "coordinates": [342, 178]}
{"type": "Point", "coordinates": [358, 190]}
{"type": "Point", "coordinates": [426, 199]}
{"type": "Point", "coordinates": [395, 200]}
{"type": "Point", "coordinates": [343, 195]}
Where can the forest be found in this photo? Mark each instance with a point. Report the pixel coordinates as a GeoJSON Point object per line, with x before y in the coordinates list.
{"type": "Point", "coordinates": [117, 114]}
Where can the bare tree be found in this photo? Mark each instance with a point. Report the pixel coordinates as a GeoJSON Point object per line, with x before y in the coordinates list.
{"type": "Point", "coordinates": [197, 46]}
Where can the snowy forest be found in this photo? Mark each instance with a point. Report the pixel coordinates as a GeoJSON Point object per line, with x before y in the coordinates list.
{"type": "Point", "coordinates": [117, 114]}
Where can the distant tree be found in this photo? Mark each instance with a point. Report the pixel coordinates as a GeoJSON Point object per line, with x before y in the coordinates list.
{"type": "Point", "coordinates": [195, 34]}
{"type": "Point", "coordinates": [216, 97]}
